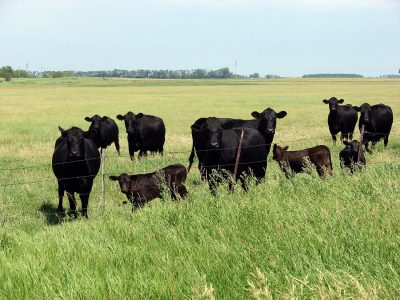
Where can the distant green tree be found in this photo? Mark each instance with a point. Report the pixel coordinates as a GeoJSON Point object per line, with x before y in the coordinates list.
{"type": "Point", "coordinates": [254, 75]}
{"type": "Point", "coordinates": [7, 73]}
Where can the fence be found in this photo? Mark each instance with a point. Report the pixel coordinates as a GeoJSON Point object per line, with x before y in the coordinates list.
{"type": "Point", "coordinates": [103, 172]}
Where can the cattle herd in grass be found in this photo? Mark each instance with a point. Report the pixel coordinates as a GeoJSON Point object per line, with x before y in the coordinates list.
{"type": "Point", "coordinates": [76, 158]}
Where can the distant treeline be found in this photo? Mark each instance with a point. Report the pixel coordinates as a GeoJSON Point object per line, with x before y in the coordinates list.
{"type": "Point", "coordinates": [335, 75]}
{"type": "Point", "coordinates": [159, 74]}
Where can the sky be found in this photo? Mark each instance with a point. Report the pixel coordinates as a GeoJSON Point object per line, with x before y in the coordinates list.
{"type": "Point", "coordinates": [286, 37]}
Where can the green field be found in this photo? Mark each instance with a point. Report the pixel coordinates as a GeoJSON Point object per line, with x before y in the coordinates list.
{"type": "Point", "coordinates": [299, 238]}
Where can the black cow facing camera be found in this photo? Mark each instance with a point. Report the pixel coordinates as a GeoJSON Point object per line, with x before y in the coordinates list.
{"type": "Point", "coordinates": [103, 131]}
{"type": "Point", "coordinates": [145, 133]}
{"type": "Point", "coordinates": [352, 157]}
{"type": "Point", "coordinates": [341, 118]}
{"type": "Point", "coordinates": [142, 188]}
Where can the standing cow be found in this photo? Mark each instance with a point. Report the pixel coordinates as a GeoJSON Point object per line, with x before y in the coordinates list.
{"type": "Point", "coordinates": [296, 161]}
{"type": "Point", "coordinates": [220, 152]}
{"type": "Point", "coordinates": [103, 131]}
{"type": "Point", "coordinates": [264, 122]}
{"type": "Point", "coordinates": [341, 118]}
{"type": "Point", "coordinates": [76, 162]}
{"type": "Point", "coordinates": [377, 121]}
{"type": "Point", "coordinates": [352, 156]}
{"type": "Point", "coordinates": [145, 133]}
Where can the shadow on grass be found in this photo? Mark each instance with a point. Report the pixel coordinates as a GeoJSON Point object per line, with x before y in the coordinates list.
{"type": "Point", "coordinates": [53, 217]}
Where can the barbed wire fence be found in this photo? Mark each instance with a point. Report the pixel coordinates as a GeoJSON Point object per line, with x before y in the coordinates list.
{"type": "Point", "coordinates": [104, 173]}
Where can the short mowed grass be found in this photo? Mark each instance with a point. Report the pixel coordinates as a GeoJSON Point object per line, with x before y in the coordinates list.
{"type": "Point", "coordinates": [298, 238]}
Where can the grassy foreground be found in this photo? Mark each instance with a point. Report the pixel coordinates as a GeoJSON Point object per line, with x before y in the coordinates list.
{"type": "Point", "coordinates": [337, 238]}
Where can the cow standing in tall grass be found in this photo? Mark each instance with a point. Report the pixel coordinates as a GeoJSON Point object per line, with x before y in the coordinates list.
{"type": "Point", "coordinates": [341, 118]}
{"type": "Point", "coordinates": [75, 162]}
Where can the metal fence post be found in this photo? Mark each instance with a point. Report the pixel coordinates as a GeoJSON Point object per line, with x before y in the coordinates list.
{"type": "Point", "coordinates": [103, 163]}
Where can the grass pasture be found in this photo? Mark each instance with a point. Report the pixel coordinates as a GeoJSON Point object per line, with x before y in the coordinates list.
{"type": "Point", "coordinates": [303, 238]}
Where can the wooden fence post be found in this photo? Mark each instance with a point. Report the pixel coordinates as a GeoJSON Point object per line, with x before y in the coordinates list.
{"type": "Point", "coordinates": [237, 162]}
{"type": "Point", "coordinates": [103, 163]}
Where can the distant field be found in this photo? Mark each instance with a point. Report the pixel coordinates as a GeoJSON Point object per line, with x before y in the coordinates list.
{"type": "Point", "coordinates": [337, 238]}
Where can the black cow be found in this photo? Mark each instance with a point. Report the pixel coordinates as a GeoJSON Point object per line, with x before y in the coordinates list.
{"type": "Point", "coordinates": [142, 188]}
{"type": "Point", "coordinates": [296, 161]}
{"type": "Point", "coordinates": [352, 157]}
{"type": "Point", "coordinates": [341, 118]}
{"type": "Point", "coordinates": [220, 152]}
{"type": "Point", "coordinates": [265, 123]}
{"type": "Point", "coordinates": [104, 131]}
{"type": "Point", "coordinates": [145, 133]}
{"type": "Point", "coordinates": [377, 120]}
{"type": "Point", "coordinates": [76, 162]}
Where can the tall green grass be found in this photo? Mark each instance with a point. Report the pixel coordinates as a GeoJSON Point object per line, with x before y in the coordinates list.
{"type": "Point", "coordinates": [304, 237]}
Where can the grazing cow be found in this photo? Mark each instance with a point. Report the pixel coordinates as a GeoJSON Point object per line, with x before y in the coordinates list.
{"type": "Point", "coordinates": [145, 133]}
{"type": "Point", "coordinates": [352, 157]}
{"type": "Point", "coordinates": [377, 121]}
{"type": "Point", "coordinates": [76, 162]}
{"type": "Point", "coordinates": [220, 152]}
{"type": "Point", "coordinates": [142, 188]}
{"type": "Point", "coordinates": [103, 131]}
{"type": "Point", "coordinates": [296, 161]}
{"type": "Point", "coordinates": [341, 118]}
{"type": "Point", "coordinates": [265, 123]}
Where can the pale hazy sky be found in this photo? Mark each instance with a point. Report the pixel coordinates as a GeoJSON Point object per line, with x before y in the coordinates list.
{"type": "Point", "coordinates": [285, 37]}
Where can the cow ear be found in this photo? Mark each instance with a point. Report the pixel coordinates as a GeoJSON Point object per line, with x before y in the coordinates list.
{"type": "Point", "coordinates": [104, 118]}
{"type": "Point", "coordinates": [340, 101]}
{"type": "Point", "coordinates": [325, 101]}
{"type": "Point", "coordinates": [63, 132]}
{"type": "Point", "coordinates": [285, 148]}
{"type": "Point", "coordinates": [88, 119]}
{"type": "Point", "coordinates": [256, 115]}
{"type": "Point", "coordinates": [357, 108]}
{"type": "Point", "coordinates": [113, 178]}
{"type": "Point", "coordinates": [281, 114]}
{"type": "Point", "coordinates": [139, 115]}
{"type": "Point", "coordinates": [120, 117]}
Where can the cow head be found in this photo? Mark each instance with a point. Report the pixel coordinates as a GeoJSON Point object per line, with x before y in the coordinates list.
{"type": "Point", "coordinates": [353, 146]}
{"type": "Point", "coordinates": [333, 103]}
{"type": "Point", "coordinates": [96, 121]}
{"type": "Point", "coordinates": [124, 181]}
{"type": "Point", "coordinates": [268, 120]}
{"type": "Point", "coordinates": [365, 111]}
{"type": "Point", "coordinates": [75, 138]}
{"type": "Point", "coordinates": [212, 130]}
{"type": "Point", "coordinates": [131, 120]}
{"type": "Point", "coordinates": [278, 152]}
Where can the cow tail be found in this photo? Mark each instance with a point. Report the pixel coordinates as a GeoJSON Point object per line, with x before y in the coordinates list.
{"type": "Point", "coordinates": [191, 158]}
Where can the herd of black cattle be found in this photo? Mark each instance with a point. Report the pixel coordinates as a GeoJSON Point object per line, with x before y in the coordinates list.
{"type": "Point", "coordinates": [76, 159]}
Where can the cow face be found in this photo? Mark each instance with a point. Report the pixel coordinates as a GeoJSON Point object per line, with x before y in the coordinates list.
{"type": "Point", "coordinates": [75, 138]}
{"type": "Point", "coordinates": [365, 110]}
{"type": "Point", "coordinates": [278, 152]}
{"type": "Point", "coordinates": [268, 120]}
{"type": "Point", "coordinates": [212, 130]}
{"type": "Point", "coordinates": [353, 146]}
{"type": "Point", "coordinates": [96, 121]}
{"type": "Point", "coordinates": [333, 103]}
{"type": "Point", "coordinates": [130, 121]}
{"type": "Point", "coordinates": [124, 181]}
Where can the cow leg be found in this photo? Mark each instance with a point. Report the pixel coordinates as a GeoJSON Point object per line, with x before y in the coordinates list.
{"type": "Point", "coordinates": [320, 171]}
{"type": "Point", "coordinates": [116, 142]}
{"type": "Point", "coordinates": [334, 139]}
{"type": "Point", "coordinates": [131, 152]}
{"type": "Point", "coordinates": [61, 191]}
{"type": "Point", "coordinates": [142, 153]}
{"type": "Point", "coordinates": [72, 203]}
{"type": "Point", "coordinates": [161, 150]}
{"type": "Point", "coordinates": [386, 141]}
{"type": "Point", "coordinates": [182, 191]}
{"type": "Point", "coordinates": [85, 201]}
